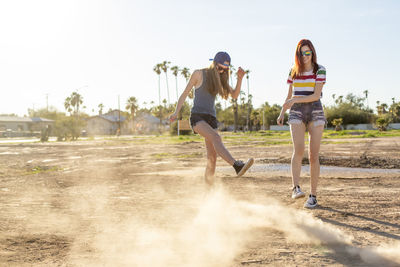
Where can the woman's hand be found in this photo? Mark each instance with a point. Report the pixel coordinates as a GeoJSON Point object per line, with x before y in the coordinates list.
{"type": "Point", "coordinates": [240, 73]}
{"type": "Point", "coordinates": [280, 119]}
{"type": "Point", "coordinates": [173, 117]}
{"type": "Point", "coordinates": [289, 103]}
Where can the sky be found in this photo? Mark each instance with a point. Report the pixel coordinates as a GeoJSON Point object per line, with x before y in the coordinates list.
{"type": "Point", "coordinates": [106, 50]}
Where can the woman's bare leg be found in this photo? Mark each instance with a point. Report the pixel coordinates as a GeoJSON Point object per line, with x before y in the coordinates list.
{"type": "Point", "coordinates": [210, 134]}
{"type": "Point", "coordinates": [297, 131]}
{"type": "Point", "coordinates": [211, 162]}
{"type": "Point", "coordinates": [315, 135]}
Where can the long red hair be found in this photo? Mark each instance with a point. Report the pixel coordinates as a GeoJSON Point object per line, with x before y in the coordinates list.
{"type": "Point", "coordinates": [298, 63]}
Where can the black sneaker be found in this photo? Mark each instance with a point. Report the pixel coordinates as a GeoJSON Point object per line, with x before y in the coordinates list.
{"type": "Point", "coordinates": [241, 167]}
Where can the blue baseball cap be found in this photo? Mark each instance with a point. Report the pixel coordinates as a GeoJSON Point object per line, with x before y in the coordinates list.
{"type": "Point", "coordinates": [221, 58]}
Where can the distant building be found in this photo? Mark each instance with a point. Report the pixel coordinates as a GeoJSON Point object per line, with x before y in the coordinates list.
{"type": "Point", "coordinates": [12, 126]}
{"type": "Point", "coordinates": [107, 124]}
{"type": "Point", "coordinates": [146, 123]}
{"type": "Point", "coordinates": [39, 123]}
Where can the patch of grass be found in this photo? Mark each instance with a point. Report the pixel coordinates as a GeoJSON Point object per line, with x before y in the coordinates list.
{"type": "Point", "coordinates": [162, 139]}
{"type": "Point", "coordinates": [246, 138]}
{"type": "Point", "coordinates": [258, 134]}
{"type": "Point", "coordinates": [335, 142]}
{"type": "Point", "coordinates": [42, 169]}
{"type": "Point", "coordinates": [189, 155]}
{"type": "Point", "coordinates": [261, 138]}
{"type": "Point", "coordinates": [161, 155]}
{"type": "Point", "coordinates": [370, 135]}
{"type": "Point", "coordinates": [177, 155]}
{"type": "Point", "coordinates": [274, 143]}
{"type": "Point", "coordinates": [359, 134]}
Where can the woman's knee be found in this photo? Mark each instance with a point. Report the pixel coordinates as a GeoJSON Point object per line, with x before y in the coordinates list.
{"type": "Point", "coordinates": [215, 137]}
{"type": "Point", "coordinates": [313, 157]}
{"type": "Point", "coordinates": [298, 151]}
{"type": "Point", "coordinates": [212, 157]}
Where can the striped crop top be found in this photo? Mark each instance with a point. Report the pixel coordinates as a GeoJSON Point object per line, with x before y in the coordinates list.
{"type": "Point", "coordinates": [305, 83]}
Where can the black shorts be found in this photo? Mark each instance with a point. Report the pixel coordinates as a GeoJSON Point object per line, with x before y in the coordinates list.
{"type": "Point", "coordinates": [196, 117]}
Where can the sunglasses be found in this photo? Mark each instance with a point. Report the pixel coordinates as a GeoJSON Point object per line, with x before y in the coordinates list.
{"type": "Point", "coordinates": [307, 53]}
{"type": "Point", "coordinates": [219, 68]}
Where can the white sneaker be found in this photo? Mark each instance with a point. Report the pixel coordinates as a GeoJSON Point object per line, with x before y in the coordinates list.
{"type": "Point", "coordinates": [297, 193]}
{"type": "Point", "coordinates": [311, 202]}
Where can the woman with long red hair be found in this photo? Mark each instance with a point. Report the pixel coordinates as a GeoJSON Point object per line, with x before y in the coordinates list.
{"type": "Point", "coordinates": [306, 79]}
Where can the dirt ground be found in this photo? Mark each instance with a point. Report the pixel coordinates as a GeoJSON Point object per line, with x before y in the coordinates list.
{"type": "Point", "coordinates": [129, 203]}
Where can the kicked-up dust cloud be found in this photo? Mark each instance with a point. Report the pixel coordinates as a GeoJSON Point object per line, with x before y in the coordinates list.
{"type": "Point", "coordinates": [189, 229]}
{"type": "Point", "coordinates": [218, 229]}
{"type": "Point", "coordinates": [383, 255]}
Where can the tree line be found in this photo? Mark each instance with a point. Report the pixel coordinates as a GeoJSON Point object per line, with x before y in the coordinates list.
{"type": "Point", "coordinates": [234, 115]}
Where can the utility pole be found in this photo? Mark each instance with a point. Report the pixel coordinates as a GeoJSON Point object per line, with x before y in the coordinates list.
{"type": "Point", "coordinates": [119, 117]}
{"type": "Point", "coordinates": [248, 101]}
{"type": "Point", "coordinates": [47, 102]}
{"type": "Point", "coordinates": [263, 111]}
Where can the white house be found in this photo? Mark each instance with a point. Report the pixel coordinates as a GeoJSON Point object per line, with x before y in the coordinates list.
{"type": "Point", "coordinates": [107, 124]}
{"type": "Point", "coordinates": [13, 126]}
{"type": "Point", "coordinates": [146, 123]}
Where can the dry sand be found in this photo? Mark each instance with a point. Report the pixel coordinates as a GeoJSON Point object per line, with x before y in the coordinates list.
{"type": "Point", "coordinates": [119, 203]}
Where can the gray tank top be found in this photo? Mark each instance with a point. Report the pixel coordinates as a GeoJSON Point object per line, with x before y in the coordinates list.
{"type": "Point", "coordinates": [203, 102]}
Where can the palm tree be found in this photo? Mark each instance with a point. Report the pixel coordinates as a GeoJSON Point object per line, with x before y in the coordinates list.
{"type": "Point", "coordinates": [249, 111]}
{"type": "Point", "coordinates": [185, 72]}
{"type": "Point", "coordinates": [100, 106]}
{"type": "Point", "coordinates": [157, 69]}
{"type": "Point", "coordinates": [242, 99]}
{"type": "Point", "coordinates": [73, 102]}
{"type": "Point", "coordinates": [384, 107]}
{"type": "Point", "coordinates": [132, 106]}
{"type": "Point", "coordinates": [248, 100]}
{"type": "Point", "coordinates": [366, 97]}
{"type": "Point", "coordinates": [255, 118]}
{"type": "Point", "coordinates": [234, 102]}
{"type": "Point", "coordinates": [76, 101]}
{"type": "Point", "coordinates": [378, 107]}
{"type": "Point", "coordinates": [175, 71]}
{"type": "Point", "coordinates": [165, 67]}
{"type": "Point", "coordinates": [67, 104]}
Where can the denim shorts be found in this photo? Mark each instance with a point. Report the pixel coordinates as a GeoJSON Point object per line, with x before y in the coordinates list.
{"type": "Point", "coordinates": [209, 119]}
{"type": "Point", "coordinates": [306, 113]}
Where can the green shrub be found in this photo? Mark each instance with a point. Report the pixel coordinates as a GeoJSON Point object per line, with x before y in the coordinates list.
{"type": "Point", "coordinates": [382, 122]}
{"type": "Point", "coordinates": [338, 124]}
{"type": "Point", "coordinates": [68, 128]}
{"type": "Point", "coordinates": [350, 114]}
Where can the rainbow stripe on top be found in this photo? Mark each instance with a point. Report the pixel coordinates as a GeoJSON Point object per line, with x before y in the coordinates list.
{"type": "Point", "coordinates": [305, 83]}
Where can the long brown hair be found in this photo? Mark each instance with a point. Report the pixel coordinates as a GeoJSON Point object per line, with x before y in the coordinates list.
{"type": "Point", "coordinates": [217, 83]}
{"type": "Point", "coordinates": [298, 67]}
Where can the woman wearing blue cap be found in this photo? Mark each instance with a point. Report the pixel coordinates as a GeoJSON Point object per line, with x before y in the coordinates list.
{"type": "Point", "coordinates": [208, 83]}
